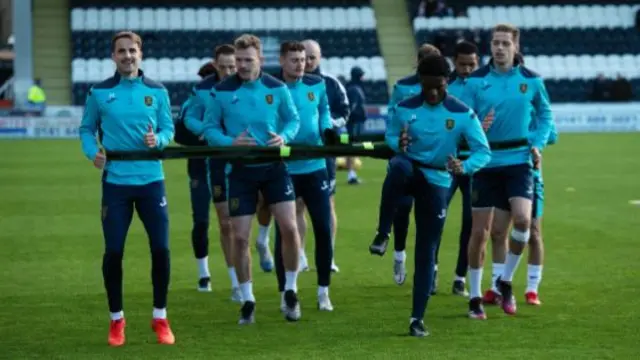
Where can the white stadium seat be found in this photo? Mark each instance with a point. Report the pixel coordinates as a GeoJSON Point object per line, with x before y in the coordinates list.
{"type": "Point", "coordinates": [528, 17]}
{"type": "Point", "coordinates": [229, 19]}
{"type": "Point", "coordinates": [133, 19]}
{"type": "Point", "coordinates": [147, 19]}
{"type": "Point", "coordinates": [189, 19]}
{"type": "Point", "coordinates": [78, 71]}
{"type": "Point", "coordinates": [203, 20]}
{"type": "Point", "coordinates": [105, 17]}
{"type": "Point", "coordinates": [91, 19]}
{"type": "Point", "coordinates": [175, 19]}
{"type": "Point", "coordinates": [78, 19]}
{"type": "Point", "coordinates": [162, 19]}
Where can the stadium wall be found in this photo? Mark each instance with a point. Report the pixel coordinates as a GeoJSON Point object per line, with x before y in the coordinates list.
{"type": "Point", "coordinates": [62, 122]}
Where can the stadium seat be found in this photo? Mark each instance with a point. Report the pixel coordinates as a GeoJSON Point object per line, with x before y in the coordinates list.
{"type": "Point", "coordinates": [179, 37]}
{"type": "Point", "coordinates": [77, 19]}
{"type": "Point", "coordinates": [147, 19]}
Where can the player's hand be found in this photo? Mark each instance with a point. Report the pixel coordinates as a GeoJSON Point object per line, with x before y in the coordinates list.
{"type": "Point", "coordinates": [99, 160]}
{"type": "Point", "coordinates": [536, 157]}
{"type": "Point", "coordinates": [339, 122]}
{"type": "Point", "coordinates": [150, 139]}
{"type": "Point", "coordinates": [276, 140]}
{"type": "Point", "coordinates": [405, 139]}
{"type": "Point", "coordinates": [488, 120]}
{"type": "Point", "coordinates": [244, 139]}
{"type": "Point", "coordinates": [455, 165]}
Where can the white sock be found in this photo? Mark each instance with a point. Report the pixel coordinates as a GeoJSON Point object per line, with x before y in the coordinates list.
{"type": "Point", "coordinates": [233, 277]}
{"type": "Point", "coordinates": [400, 256]}
{"type": "Point", "coordinates": [475, 283]}
{"type": "Point", "coordinates": [291, 281]}
{"type": "Point", "coordinates": [459, 278]}
{"type": "Point", "coordinates": [116, 315]}
{"type": "Point", "coordinates": [510, 266]}
{"type": "Point", "coordinates": [534, 277]}
{"type": "Point", "coordinates": [203, 267]}
{"type": "Point", "coordinates": [496, 271]}
{"type": "Point", "coordinates": [323, 290]}
{"type": "Point", "coordinates": [159, 313]}
{"type": "Point", "coordinates": [247, 291]}
{"type": "Point", "coordinates": [435, 267]}
{"type": "Point", "coordinates": [352, 174]}
{"type": "Point", "coordinates": [302, 253]}
{"type": "Point", "coordinates": [263, 235]}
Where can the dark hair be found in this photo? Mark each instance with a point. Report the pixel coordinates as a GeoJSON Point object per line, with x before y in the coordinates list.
{"type": "Point", "coordinates": [518, 57]}
{"type": "Point", "coordinates": [465, 48]}
{"type": "Point", "coordinates": [433, 65]}
{"type": "Point", "coordinates": [427, 49]}
{"type": "Point", "coordinates": [206, 70]}
{"type": "Point", "coordinates": [126, 35]}
{"type": "Point", "coordinates": [225, 49]}
{"type": "Point", "coordinates": [288, 46]}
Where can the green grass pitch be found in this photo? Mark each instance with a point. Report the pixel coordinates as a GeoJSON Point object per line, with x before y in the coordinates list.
{"type": "Point", "coordinates": [53, 306]}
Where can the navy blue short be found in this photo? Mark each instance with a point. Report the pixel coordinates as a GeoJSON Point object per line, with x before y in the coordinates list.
{"type": "Point", "coordinates": [217, 180]}
{"type": "Point", "coordinates": [493, 187]}
{"type": "Point", "coordinates": [245, 182]}
{"type": "Point", "coordinates": [331, 174]}
{"type": "Point", "coordinates": [211, 173]}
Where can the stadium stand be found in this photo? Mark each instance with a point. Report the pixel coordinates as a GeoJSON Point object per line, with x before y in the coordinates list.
{"type": "Point", "coordinates": [569, 44]}
{"type": "Point", "coordinates": [180, 36]}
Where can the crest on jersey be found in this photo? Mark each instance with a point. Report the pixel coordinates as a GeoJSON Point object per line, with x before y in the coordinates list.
{"type": "Point", "coordinates": [148, 100]}
{"type": "Point", "coordinates": [234, 204]}
{"type": "Point", "coordinates": [449, 124]}
{"type": "Point", "coordinates": [269, 99]}
{"type": "Point", "coordinates": [217, 191]}
{"type": "Point", "coordinates": [523, 88]}
{"type": "Point", "coordinates": [311, 96]}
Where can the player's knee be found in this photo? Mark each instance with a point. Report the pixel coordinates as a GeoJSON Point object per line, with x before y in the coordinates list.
{"type": "Point", "coordinates": [225, 226]}
{"type": "Point", "coordinates": [288, 230]}
{"type": "Point", "coordinates": [535, 236]}
{"type": "Point", "coordinates": [499, 235]}
{"type": "Point", "coordinates": [479, 234]}
{"type": "Point", "coordinates": [522, 222]}
{"type": "Point", "coordinates": [240, 242]}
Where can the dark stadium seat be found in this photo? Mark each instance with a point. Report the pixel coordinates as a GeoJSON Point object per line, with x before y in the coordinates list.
{"type": "Point", "coordinates": [556, 41]}
{"type": "Point", "coordinates": [158, 44]}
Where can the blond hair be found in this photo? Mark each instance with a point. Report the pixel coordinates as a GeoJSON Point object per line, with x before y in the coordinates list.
{"type": "Point", "coordinates": [508, 28]}
{"type": "Point", "coordinates": [246, 41]}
